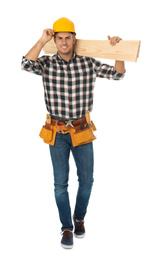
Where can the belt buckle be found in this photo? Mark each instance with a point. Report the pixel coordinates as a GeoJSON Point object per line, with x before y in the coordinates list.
{"type": "Point", "coordinates": [69, 123]}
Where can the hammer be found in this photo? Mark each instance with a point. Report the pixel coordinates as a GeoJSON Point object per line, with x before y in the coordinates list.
{"type": "Point", "coordinates": [88, 119]}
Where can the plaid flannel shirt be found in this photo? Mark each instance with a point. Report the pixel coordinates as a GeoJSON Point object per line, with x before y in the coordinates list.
{"type": "Point", "coordinates": [69, 86]}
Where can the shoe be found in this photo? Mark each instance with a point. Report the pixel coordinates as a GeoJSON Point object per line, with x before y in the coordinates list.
{"type": "Point", "coordinates": [79, 228]}
{"type": "Point", "coordinates": [67, 239]}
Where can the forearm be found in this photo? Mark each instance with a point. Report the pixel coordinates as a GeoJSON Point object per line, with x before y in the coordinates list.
{"type": "Point", "coordinates": [120, 66]}
{"type": "Point", "coordinates": [35, 50]}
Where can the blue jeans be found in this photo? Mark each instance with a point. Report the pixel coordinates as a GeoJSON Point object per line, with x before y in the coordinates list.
{"type": "Point", "coordinates": [83, 156]}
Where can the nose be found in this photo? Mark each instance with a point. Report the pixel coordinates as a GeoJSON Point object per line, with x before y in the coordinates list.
{"type": "Point", "coordinates": [63, 41]}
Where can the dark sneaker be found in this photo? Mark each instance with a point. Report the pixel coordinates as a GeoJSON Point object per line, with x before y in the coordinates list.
{"type": "Point", "coordinates": [67, 239]}
{"type": "Point", "coordinates": [79, 228]}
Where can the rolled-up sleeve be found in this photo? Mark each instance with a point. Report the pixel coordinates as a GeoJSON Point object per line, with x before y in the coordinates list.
{"type": "Point", "coordinates": [106, 71]}
{"type": "Point", "coordinates": [35, 67]}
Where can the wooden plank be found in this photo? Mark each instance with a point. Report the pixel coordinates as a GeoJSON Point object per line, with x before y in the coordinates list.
{"type": "Point", "coordinates": [124, 50]}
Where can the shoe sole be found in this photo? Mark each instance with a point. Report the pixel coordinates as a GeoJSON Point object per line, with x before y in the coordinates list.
{"type": "Point", "coordinates": [79, 236]}
{"type": "Point", "coordinates": [67, 246]}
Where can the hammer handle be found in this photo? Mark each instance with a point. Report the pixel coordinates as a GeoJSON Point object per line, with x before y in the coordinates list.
{"type": "Point", "coordinates": [88, 119]}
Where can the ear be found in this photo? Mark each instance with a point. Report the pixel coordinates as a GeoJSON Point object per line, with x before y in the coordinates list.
{"type": "Point", "coordinates": [54, 39]}
{"type": "Point", "coordinates": [74, 39]}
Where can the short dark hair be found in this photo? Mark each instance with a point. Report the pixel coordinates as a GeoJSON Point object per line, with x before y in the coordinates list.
{"type": "Point", "coordinates": [70, 32]}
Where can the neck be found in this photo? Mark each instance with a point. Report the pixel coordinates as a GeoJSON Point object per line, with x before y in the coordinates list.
{"type": "Point", "coordinates": [66, 56]}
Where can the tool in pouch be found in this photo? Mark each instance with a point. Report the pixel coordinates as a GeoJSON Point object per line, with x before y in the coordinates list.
{"type": "Point", "coordinates": [81, 130]}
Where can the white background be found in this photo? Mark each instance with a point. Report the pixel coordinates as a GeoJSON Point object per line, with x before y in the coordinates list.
{"type": "Point", "coordinates": [121, 222]}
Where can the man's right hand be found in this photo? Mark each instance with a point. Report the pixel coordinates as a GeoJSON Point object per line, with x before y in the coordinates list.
{"type": "Point", "coordinates": [47, 36]}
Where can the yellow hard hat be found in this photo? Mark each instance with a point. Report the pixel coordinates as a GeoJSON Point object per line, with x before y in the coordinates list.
{"type": "Point", "coordinates": [64, 25]}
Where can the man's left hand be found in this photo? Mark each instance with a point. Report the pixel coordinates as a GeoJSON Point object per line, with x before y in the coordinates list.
{"type": "Point", "coordinates": [114, 40]}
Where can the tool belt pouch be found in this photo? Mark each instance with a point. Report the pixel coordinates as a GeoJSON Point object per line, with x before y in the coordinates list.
{"type": "Point", "coordinates": [48, 134]}
{"type": "Point", "coordinates": [83, 136]}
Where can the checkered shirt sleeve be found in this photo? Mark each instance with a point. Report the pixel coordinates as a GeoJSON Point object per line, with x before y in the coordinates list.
{"type": "Point", "coordinates": [106, 71]}
{"type": "Point", "coordinates": [35, 67]}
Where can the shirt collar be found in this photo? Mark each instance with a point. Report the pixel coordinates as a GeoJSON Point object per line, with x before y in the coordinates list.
{"type": "Point", "coordinates": [59, 58]}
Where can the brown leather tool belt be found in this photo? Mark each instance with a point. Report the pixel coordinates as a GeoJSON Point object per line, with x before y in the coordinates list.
{"type": "Point", "coordinates": [80, 130]}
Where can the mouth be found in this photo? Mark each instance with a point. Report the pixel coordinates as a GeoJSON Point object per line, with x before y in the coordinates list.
{"type": "Point", "coordinates": [64, 47]}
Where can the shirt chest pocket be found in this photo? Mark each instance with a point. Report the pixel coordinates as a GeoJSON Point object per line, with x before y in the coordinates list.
{"type": "Point", "coordinates": [84, 74]}
{"type": "Point", "coordinates": [58, 75]}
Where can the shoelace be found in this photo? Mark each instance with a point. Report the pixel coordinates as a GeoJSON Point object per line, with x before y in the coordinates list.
{"type": "Point", "coordinates": [80, 225]}
{"type": "Point", "coordinates": [66, 233]}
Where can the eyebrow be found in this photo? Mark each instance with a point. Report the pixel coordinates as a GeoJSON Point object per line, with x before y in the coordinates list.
{"type": "Point", "coordinates": [60, 37]}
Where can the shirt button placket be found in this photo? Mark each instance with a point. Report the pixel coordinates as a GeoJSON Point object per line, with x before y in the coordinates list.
{"type": "Point", "coordinates": [70, 91]}
{"type": "Point", "coordinates": [70, 99]}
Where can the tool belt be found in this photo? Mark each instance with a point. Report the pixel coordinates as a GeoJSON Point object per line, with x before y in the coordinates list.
{"type": "Point", "coordinates": [80, 130]}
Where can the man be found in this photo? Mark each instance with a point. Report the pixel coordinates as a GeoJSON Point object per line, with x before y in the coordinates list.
{"type": "Point", "coordinates": [68, 84]}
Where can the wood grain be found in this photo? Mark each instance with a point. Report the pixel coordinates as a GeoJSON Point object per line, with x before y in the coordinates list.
{"type": "Point", "coordinates": [124, 50]}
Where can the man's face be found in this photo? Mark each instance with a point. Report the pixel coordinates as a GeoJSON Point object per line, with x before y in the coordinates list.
{"type": "Point", "coordinates": [64, 42]}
